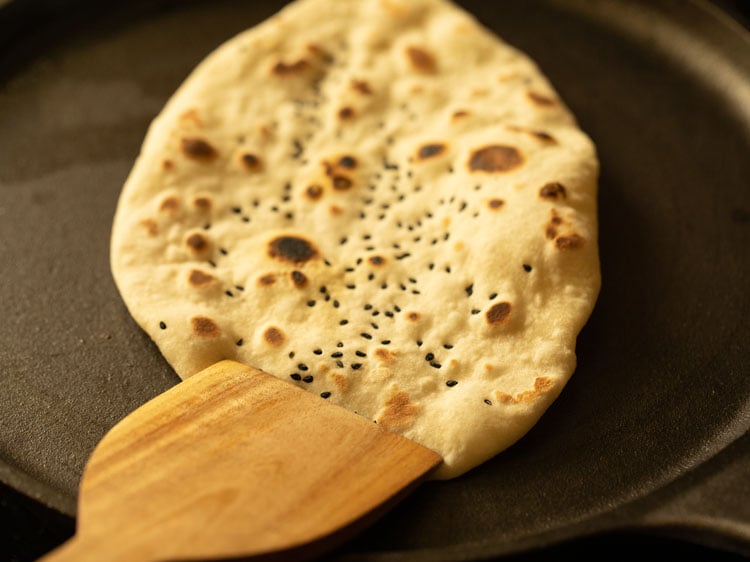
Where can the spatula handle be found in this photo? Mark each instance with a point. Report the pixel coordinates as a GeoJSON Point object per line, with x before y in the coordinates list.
{"type": "Point", "coordinates": [235, 462]}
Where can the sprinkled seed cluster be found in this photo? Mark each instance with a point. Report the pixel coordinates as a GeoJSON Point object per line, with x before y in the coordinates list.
{"type": "Point", "coordinates": [359, 232]}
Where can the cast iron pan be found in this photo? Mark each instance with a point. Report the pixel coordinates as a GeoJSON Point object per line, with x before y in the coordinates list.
{"type": "Point", "coordinates": [650, 434]}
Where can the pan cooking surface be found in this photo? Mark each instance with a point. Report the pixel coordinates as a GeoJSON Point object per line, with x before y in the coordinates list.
{"type": "Point", "coordinates": [662, 381]}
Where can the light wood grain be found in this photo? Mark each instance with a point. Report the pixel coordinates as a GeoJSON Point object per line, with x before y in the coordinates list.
{"type": "Point", "coordinates": [235, 462]}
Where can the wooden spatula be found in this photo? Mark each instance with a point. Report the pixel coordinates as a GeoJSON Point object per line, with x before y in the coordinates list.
{"type": "Point", "coordinates": [234, 462]}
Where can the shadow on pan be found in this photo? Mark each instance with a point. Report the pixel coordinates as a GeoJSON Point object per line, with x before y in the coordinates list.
{"type": "Point", "coordinates": [647, 437]}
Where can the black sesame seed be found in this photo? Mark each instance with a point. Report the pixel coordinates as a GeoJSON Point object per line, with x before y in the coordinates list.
{"type": "Point", "coordinates": [351, 287]}
{"type": "Point", "coordinates": [275, 208]}
{"type": "Point", "coordinates": [206, 227]}
{"type": "Point", "coordinates": [451, 382]}
{"type": "Point", "coordinates": [435, 364]}
{"type": "Point", "coordinates": [340, 344]}
{"type": "Point", "coordinates": [368, 307]}
{"type": "Point", "coordinates": [162, 325]}
{"type": "Point", "coordinates": [493, 295]}
{"type": "Point", "coordinates": [318, 351]}
{"type": "Point", "coordinates": [356, 366]}
{"type": "Point", "coordinates": [310, 303]}
{"type": "Point", "coordinates": [396, 308]}
{"type": "Point", "coordinates": [343, 322]}
{"type": "Point", "coordinates": [229, 293]}
{"type": "Point", "coordinates": [526, 267]}
{"type": "Point", "coordinates": [308, 378]}
{"type": "Point", "coordinates": [239, 287]}
{"type": "Point", "coordinates": [337, 354]}
{"type": "Point", "coordinates": [429, 357]}
{"type": "Point", "coordinates": [415, 292]}
{"type": "Point", "coordinates": [291, 355]}
{"type": "Point", "coordinates": [488, 402]}
{"type": "Point", "coordinates": [239, 342]}
{"type": "Point", "coordinates": [419, 343]}
{"type": "Point", "coordinates": [366, 335]}
{"type": "Point", "coordinates": [245, 219]}
{"type": "Point", "coordinates": [374, 325]}
{"type": "Point", "coordinates": [469, 290]}
{"type": "Point", "coordinates": [388, 313]}
{"type": "Point", "coordinates": [236, 210]}
{"type": "Point", "coordinates": [403, 287]}
{"type": "Point", "coordinates": [376, 313]}
{"type": "Point", "coordinates": [463, 206]}
{"type": "Point", "coordinates": [447, 269]}
{"type": "Point", "coordinates": [296, 376]}
{"type": "Point", "coordinates": [327, 297]}
{"type": "Point", "coordinates": [371, 276]}
{"type": "Point", "coordinates": [349, 269]}
{"type": "Point", "coordinates": [325, 394]}
{"type": "Point", "coordinates": [336, 304]}
{"type": "Point", "coordinates": [385, 342]}
{"type": "Point", "coordinates": [343, 240]}
{"type": "Point", "coordinates": [431, 266]}
{"type": "Point", "coordinates": [475, 311]}
{"type": "Point", "coordinates": [384, 286]}
{"type": "Point", "coordinates": [359, 261]}
{"type": "Point", "coordinates": [302, 367]}
{"type": "Point", "coordinates": [212, 263]}
{"type": "Point", "coordinates": [339, 363]}
{"type": "Point", "coordinates": [360, 354]}
{"type": "Point", "coordinates": [323, 289]}
{"type": "Point", "coordinates": [448, 346]}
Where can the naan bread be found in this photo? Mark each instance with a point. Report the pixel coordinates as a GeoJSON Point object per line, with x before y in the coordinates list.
{"type": "Point", "coordinates": [380, 202]}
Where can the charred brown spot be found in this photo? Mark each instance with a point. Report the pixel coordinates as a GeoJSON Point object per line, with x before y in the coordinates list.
{"type": "Point", "coordinates": [274, 336]}
{"type": "Point", "coordinates": [412, 316]}
{"type": "Point", "coordinates": [553, 190]}
{"type": "Point", "coordinates": [267, 280]}
{"type": "Point", "coordinates": [199, 278]}
{"type": "Point", "coordinates": [399, 412]}
{"type": "Point", "coordinates": [341, 183]}
{"type": "Point", "coordinates": [282, 68]}
{"type": "Point", "coordinates": [384, 355]}
{"type": "Point", "coordinates": [251, 162]}
{"type": "Point", "coordinates": [362, 87]}
{"type": "Point", "coordinates": [314, 192]}
{"type": "Point", "coordinates": [198, 149]}
{"type": "Point", "coordinates": [202, 203]}
{"type": "Point", "coordinates": [495, 203]}
{"type": "Point", "coordinates": [542, 385]}
{"type": "Point", "coordinates": [459, 114]}
{"type": "Point", "coordinates": [498, 314]}
{"type": "Point", "coordinates": [421, 59]}
{"type": "Point", "coordinates": [541, 100]}
{"type": "Point", "coordinates": [197, 242]}
{"type": "Point", "coordinates": [544, 136]}
{"type": "Point", "coordinates": [204, 327]}
{"type": "Point", "coordinates": [346, 113]}
{"type": "Point", "coordinates": [495, 158]}
{"type": "Point", "coordinates": [151, 226]}
{"type": "Point", "coordinates": [292, 249]}
{"type": "Point", "coordinates": [376, 260]}
{"type": "Point", "coordinates": [340, 380]}
{"type": "Point", "coordinates": [170, 205]}
{"type": "Point", "coordinates": [550, 232]}
{"type": "Point", "coordinates": [348, 162]}
{"type": "Point", "coordinates": [299, 279]}
{"type": "Point", "coordinates": [192, 116]}
{"type": "Point", "coordinates": [167, 164]}
{"type": "Point", "coordinates": [569, 242]}
{"type": "Point", "coordinates": [430, 150]}
{"type": "Point", "coordinates": [335, 210]}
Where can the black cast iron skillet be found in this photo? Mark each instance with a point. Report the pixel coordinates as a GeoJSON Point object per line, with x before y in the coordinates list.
{"type": "Point", "coordinates": [651, 432]}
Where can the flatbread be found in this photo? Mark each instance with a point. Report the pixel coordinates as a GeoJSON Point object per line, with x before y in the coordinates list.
{"type": "Point", "coordinates": [378, 201]}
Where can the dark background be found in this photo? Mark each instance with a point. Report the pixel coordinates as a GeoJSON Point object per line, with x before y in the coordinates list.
{"type": "Point", "coordinates": [29, 529]}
